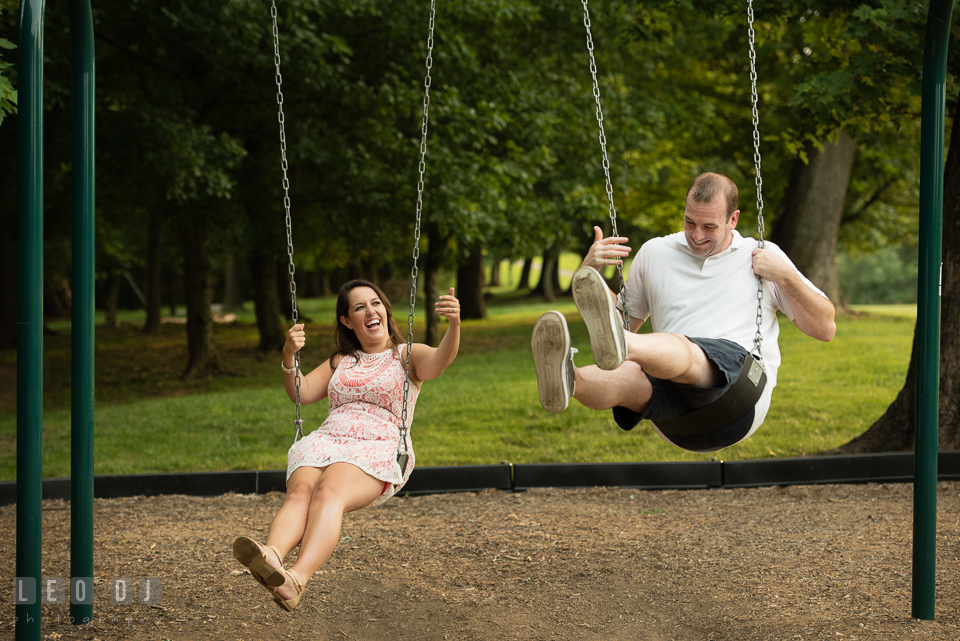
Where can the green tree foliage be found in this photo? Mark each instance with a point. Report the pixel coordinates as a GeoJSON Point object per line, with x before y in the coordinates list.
{"type": "Point", "coordinates": [187, 116]}
{"type": "Point", "coordinates": [8, 95]}
{"type": "Point", "coordinates": [888, 276]}
{"type": "Point", "coordinates": [821, 68]}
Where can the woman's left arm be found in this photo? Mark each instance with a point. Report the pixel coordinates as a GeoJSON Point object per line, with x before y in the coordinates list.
{"type": "Point", "coordinates": [429, 362]}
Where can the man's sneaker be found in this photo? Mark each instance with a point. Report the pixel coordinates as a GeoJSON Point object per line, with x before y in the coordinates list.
{"type": "Point", "coordinates": [604, 322]}
{"type": "Point", "coordinates": [553, 359]}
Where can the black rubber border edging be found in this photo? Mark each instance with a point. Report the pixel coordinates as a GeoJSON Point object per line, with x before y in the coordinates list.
{"type": "Point", "coordinates": [864, 468]}
{"type": "Point", "coordinates": [647, 476]}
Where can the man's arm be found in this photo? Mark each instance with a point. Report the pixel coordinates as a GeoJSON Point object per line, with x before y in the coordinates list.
{"type": "Point", "coordinates": [609, 251]}
{"type": "Point", "coordinates": [813, 314]}
{"type": "Point", "coordinates": [605, 251]}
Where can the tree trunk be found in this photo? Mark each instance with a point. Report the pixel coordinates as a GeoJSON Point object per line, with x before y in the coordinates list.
{"type": "Point", "coordinates": [525, 274]}
{"type": "Point", "coordinates": [470, 284]}
{"type": "Point", "coordinates": [807, 225]}
{"type": "Point", "coordinates": [313, 284]}
{"type": "Point", "coordinates": [110, 299]}
{"type": "Point", "coordinates": [436, 247]}
{"type": "Point", "coordinates": [538, 288]}
{"type": "Point", "coordinates": [894, 431]}
{"type": "Point", "coordinates": [325, 283]}
{"type": "Point", "coordinates": [549, 284]}
{"type": "Point", "coordinates": [495, 273]}
{"type": "Point", "coordinates": [555, 275]}
{"type": "Point", "coordinates": [546, 277]}
{"type": "Point", "coordinates": [949, 430]}
{"type": "Point", "coordinates": [232, 294]}
{"type": "Point", "coordinates": [359, 271]}
{"type": "Point", "coordinates": [152, 278]}
{"type": "Point", "coordinates": [201, 352]}
{"type": "Point", "coordinates": [169, 287]}
{"type": "Point", "coordinates": [57, 297]}
{"type": "Point", "coordinates": [265, 302]}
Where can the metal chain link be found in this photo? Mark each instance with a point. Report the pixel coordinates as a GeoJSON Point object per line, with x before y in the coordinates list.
{"type": "Point", "coordinates": [402, 446]}
{"type": "Point", "coordinates": [606, 161]}
{"type": "Point", "coordinates": [758, 339]}
{"type": "Point", "coordinates": [286, 207]}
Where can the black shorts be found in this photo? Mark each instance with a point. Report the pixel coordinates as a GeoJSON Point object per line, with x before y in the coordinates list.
{"type": "Point", "coordinates": [671, 399]}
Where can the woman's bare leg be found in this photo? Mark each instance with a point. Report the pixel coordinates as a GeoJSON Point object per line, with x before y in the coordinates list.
{"type": "Point", "coordinates": [290, 522]}
{"type": "Point", "coordinates": [342, 488]}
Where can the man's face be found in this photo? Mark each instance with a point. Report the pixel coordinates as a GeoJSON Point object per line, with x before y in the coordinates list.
{"type": "Point", "coordinates": [706, 226]}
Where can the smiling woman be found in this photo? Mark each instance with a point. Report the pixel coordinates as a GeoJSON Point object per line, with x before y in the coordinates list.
{"type": "Point", "coordinates": [350, 461]}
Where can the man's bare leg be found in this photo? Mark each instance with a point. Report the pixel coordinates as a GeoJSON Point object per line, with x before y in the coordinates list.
{"type": "Point", "coordinates": [627, 386]}
{"type": "Point", "coordinates": [672, 357]}
{"type": "Point", "coordinates": [666, 356]}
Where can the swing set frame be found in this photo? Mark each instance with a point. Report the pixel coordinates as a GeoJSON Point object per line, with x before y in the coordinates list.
{"type": "Point", "coordinates": [30, 307]}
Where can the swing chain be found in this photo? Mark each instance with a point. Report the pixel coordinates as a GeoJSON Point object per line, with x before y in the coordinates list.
{"type": "Point", "coordinates": [286, 207]}
{"type": "Point", "coordinates": [402, 455]}
{"type": "Point", "coordinates": [758, 339]}
{"type": "Point", "coordinates": [606, 162]}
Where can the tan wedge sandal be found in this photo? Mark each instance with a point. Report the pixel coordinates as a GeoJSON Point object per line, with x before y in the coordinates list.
{"type": "Point", "coordinates": [288, 604]}
{"type": "Point", "coordinates": [251, 555]}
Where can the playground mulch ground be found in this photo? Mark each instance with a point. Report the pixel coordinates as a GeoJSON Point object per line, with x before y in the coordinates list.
{"type": "Point", "coordinates": [812, 562]}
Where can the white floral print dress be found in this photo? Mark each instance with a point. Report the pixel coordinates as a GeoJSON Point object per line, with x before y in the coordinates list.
{"type": "Point", "coordinates": [363, 424]}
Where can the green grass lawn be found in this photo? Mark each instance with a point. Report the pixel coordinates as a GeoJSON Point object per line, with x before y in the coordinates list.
{"type": "Point", "coordinates": [483, 410]}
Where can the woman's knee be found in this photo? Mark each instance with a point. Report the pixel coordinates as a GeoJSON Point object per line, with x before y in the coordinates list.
{"type": "Point", "coordinates": [300, 492]}
{"type": "Point", "coordinates": [347, 488]}
{"type": "Point", "coordinates": [327, 494]}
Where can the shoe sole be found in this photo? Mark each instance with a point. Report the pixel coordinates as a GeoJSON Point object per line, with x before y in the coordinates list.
{"type": "Point", "coordinates": [592, 297]}
{"type": "Point", "coordinates": [551, 347]}
{"type": "Point", "coordinates": [247, 552]}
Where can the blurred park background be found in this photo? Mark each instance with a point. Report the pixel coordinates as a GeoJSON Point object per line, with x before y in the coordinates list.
{"type": "Point", "coordinates": [191, 257]}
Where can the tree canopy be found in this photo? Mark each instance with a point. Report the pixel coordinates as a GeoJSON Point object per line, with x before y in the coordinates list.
{"type": "Point", "coordinates": [188, 130]}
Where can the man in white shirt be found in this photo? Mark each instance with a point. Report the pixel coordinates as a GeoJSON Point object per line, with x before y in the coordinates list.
{"type": "Point", "coordinates": [699, 288]}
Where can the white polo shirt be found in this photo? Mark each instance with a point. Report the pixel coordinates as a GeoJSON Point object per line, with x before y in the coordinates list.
{"type": "Point", "coordinates": [713, 297]}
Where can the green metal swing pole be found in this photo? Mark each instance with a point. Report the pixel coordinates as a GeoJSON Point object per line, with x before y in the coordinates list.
{"type": "Point", "coordinates": [82, 328]}
{"type": "Point", "coordinates": [29, 310]}
{"type": "Point", "coordinates": [928, 308]}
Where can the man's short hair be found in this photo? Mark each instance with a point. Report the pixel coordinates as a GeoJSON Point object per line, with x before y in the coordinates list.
{"type": "Point", "coordinates": [708, 186]}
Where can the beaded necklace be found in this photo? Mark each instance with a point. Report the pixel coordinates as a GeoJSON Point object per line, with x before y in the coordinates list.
{"type": "Point", "coordinates": [371, 361]}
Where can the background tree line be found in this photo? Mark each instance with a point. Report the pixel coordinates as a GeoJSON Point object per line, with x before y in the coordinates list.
{"type": "Point", "coordinates": [188, 164]}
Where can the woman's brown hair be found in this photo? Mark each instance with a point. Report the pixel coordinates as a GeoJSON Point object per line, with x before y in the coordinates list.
{"type": "Point", "coordinates": [345, 338]}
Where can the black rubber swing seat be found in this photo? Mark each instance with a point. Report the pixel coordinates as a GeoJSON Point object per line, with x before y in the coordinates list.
{"type": "Point", "coordinates": [735, 403]}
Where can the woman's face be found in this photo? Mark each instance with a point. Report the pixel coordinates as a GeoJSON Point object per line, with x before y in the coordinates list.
{"type": "Point", "coordinates": [367, 316]}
